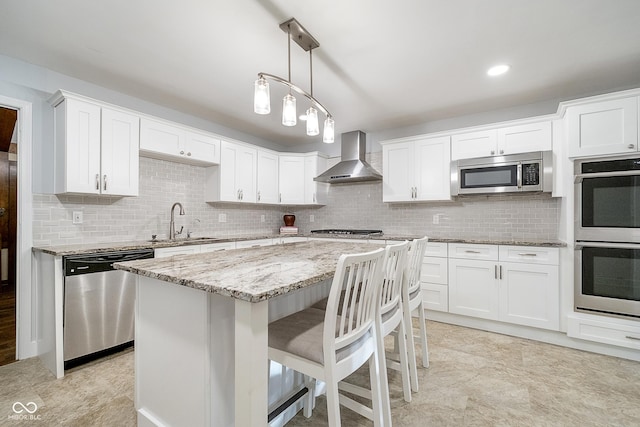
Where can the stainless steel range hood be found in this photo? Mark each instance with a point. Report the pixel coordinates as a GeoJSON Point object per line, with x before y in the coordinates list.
{"type": "Point", "coordinates": [352, 166]}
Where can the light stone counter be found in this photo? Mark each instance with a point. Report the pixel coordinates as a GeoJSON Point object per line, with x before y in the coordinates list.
{"type": "Point", "coordinates": [88, 248]}
{"type": "Point", "coordinates": [250, 274]}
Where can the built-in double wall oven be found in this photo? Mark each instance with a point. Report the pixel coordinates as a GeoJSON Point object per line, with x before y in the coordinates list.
{"type": "Point", "coordinates": [607, 232]}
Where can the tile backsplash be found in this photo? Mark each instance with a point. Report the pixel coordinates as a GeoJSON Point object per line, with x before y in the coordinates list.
{"type": "Point", "coordinates": [114, 219]}
{"type": "Point", "coordinates": [511, 216]}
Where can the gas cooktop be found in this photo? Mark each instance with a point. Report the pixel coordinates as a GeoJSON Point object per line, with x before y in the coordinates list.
{"type": "Point", "coordinates": [348, 231]}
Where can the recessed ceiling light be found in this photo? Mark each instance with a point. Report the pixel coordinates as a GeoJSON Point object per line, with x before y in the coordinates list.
{"type": "Point", "coordinates": [497, 70]}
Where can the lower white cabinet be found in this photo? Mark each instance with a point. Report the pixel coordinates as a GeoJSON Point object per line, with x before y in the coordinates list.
{"type": "Point", "coordinates": [607, 330]}
{"type": "Point", "coordinates": [434, 277]}
{"type": "Point", "coordinates": [515, 284]}
{"type": "Point", "coordinates": [176, 250]}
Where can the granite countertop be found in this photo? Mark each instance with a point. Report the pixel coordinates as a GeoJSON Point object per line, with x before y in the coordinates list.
{"type": "Point", "coordinates": [250, 274]}
{"type": "Point", "coordinates": [86, 248]}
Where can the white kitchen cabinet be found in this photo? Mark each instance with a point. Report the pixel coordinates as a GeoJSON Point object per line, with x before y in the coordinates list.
{"type": "Point", "coordinates": [474, 288]}
{"type": "Point", "coordinates": [168, 141]}
{"type": "Point", "coordinates": [314, 192]}
{"type": "Point", "coordinates": [176, 250]}
{"type": "Point", "coordinates": [267, 177]}
{"type": "Point", "coordinates": [434, 277]}
{"type": "Point", "coordinates": [96, 148]}
{"type": "Point", "coordinates": [214, 247]}
{"type": "Point", "coordinates": [253, 243]}
{"type": "Point", "coordinates": [416, 170]}
{"type": "Point", "coordinates": [505, 140]}
{"type": "Point", "coordinates": [603, 128]}
{"type": "Point", "coordinates": [608, 330]}
{"type": "Point", "coordinates": [292, 179]}
{"type": "Point", "coordinates": [515, 284]}
{"type": "Point", "coordinates": [235, 179]}
{"type": "Point", "coordinates": [297, 186]}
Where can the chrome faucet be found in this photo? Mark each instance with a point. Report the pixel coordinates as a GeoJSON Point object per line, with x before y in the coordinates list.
{"type": "Point", "coordinates": [172, 224]}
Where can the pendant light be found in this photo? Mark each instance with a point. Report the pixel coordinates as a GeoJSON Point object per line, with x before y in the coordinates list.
{"type": "Point", "coordinates": [261, 98]}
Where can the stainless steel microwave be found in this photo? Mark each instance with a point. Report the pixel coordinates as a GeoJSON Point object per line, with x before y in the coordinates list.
{"type": "Point", "coordinates": [513, 173]}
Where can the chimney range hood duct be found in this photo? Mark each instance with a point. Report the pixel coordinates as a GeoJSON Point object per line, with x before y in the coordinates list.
{"type": "Point", "coordinates": [352, 166]}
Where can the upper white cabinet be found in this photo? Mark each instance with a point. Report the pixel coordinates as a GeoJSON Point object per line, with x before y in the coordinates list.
{"type": "Point", "coordinates": [292, 179]}
{"type": "Point", "coordinates": [168, 141]}
{"type": "Point", "coordinates": [603, 128]}
{"type": "Point", "coordinates": [416, 170]}
{"type": "Point", "coordinates": [297, 186]}
{"type": "Point", "coordinates": [267, 175]}
{"type": "Point", "coordinates": [502, 141]}
{"type": "Point", "coordinates": [96, 148]}
{"type": "Point", "coordinates": [234, 180]}
{"type": "Point", "coordinates": [314, 192]}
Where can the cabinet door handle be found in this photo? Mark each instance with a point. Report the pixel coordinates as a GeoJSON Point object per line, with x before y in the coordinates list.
{"type": "Point", "coordinates": [469, 251]}
{"type": "Point", "coordinates": [501, 151]}
{"type": "Point", "coordinates": [280, 198]}
{"type": "Point", "coordinates": [631, 146]}
{"type": "Point", "coordinates": [500, 272]}
{"type": "Point", "coordinates": [97, 181]}
{"type": "Point", "coordinates": [495, 271]}
{"type": "Point", "coordinates": [632, 338]}
{"type": "Point", "coordinates": [258, 195]}
{"type": "Point", "coordinates": [493, 152]}
{"type": "Point", "coordinates": [314, 197]}
{"type": "Point", "coordinates": [241, 194]}
{"type": "Point", "coordinates": [104, 183]}
{"type": "Point", "coordinates": [238, 195]}
{"type": "Point", "coordinates": [527, 254]}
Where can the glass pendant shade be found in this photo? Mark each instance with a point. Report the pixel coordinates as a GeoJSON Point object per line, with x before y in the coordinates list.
{"type": "Point", "coordinates": [328, 134]}
{"type": "Point", "coordinates": [289, 110]}
{"type": "Point", "coordinates": [261, 98]}
{"type": "Point", "coordinates": [312, 122]}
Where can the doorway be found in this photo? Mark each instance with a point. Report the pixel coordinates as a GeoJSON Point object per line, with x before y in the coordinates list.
{"type": "Point", "coordinates": [8, 233]}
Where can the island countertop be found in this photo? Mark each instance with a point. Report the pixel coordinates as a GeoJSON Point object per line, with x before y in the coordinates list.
{"type": "Point", "coordinates": [251, 274]}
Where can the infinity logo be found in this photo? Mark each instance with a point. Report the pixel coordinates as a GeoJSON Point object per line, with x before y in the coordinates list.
{"type": "Point", "coordinates": [19, 408]}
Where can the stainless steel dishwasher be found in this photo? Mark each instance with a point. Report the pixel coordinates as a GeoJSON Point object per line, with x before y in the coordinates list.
{"type": "Point", "coordinates": [99, 305]}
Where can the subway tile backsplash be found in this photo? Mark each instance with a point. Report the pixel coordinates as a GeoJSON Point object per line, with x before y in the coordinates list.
{"type": "Point", "coordinates": [359, 205]}
{"type": "Point", "coordinates": [116, 219]}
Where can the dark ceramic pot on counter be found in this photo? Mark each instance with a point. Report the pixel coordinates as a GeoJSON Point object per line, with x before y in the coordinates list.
{"type": "Point", "coordinates": [289, 219]}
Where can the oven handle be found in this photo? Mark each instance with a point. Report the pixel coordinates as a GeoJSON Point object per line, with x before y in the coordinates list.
{"type": "Point", "coordinates": [613, 245]}
{"type": "Point", "coordinates": [580, 177]}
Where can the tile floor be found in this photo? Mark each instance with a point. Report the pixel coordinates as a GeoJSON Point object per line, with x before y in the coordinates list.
{"type": "Point", "coordinates": [476, 378]}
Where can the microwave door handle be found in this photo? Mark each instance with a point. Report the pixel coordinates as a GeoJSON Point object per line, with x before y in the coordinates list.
{"type": "Point", "coordinates": [519, 175]}
{"type": "Point", "coordinates": [580, 177]}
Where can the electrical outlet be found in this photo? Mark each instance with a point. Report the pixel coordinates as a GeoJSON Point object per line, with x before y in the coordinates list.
{"type": "Point", "coordinates": [312, 218]}
{"type": "Point", "coordinates": [261, 218]}
{"type": "Point", "coordinates": [436, 218]}
{"type": "Point", "coordinates": [77, 217]}
{"type": "Point", "coordinates": [222, 217]}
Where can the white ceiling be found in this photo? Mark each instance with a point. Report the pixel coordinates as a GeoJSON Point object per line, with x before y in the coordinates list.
{"type": "Point", "coordinates": [381, 64]}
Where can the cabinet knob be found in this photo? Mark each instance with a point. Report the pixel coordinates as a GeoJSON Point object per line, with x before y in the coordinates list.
{"type": "Point", "coordinates": [189, 153]}
{"type": "Point", "coordinates": [501, 151]}
{"type": "Point", "coordinates": [493, 152]}
{"type": "Point", "coordinates": [181, 151]}
{"type": "Point", "coordinates": [631, 146]}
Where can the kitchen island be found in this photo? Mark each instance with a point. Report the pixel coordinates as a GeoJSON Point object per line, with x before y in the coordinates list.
{"type": "Point", "coordinates": [202, 322]}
